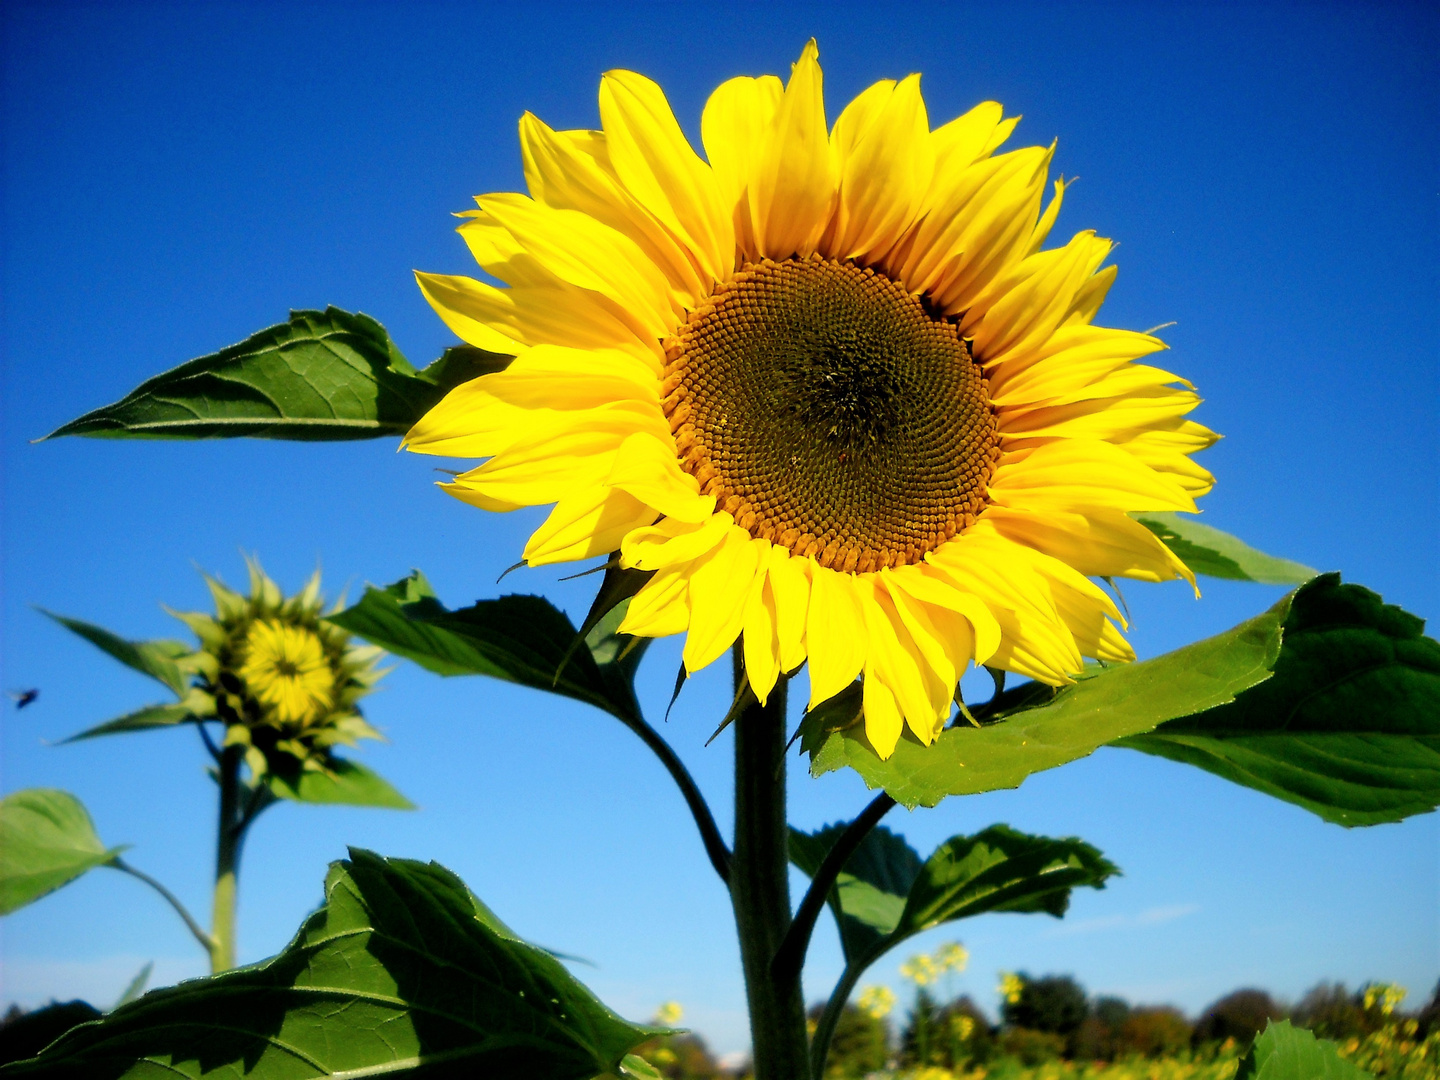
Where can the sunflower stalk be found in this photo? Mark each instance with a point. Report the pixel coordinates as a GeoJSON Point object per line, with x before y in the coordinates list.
{"type": "Point", "coordinates": [760, 886]}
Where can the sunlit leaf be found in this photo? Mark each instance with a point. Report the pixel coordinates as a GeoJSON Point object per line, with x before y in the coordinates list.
{"type": "Point", "coordinates": [869, 895]}
{"type": "Point", "coordinates": [521, 639]}
{"type": "Point", "coordinates": [1348, 727]}
{"type": "Point", "coordinates": [344, 782]}
{"type": "Point", "coordinates": [322, 375]}
{"type": "Point", "coordinates": [1282, 1052]}
{"type": "Point", "coordinates": [1217, 554]}
{"type": "Point", "coordinates": [46, 840]}
{"type": "Point", "coordinates": [1037, 728]}
{"type": "Point", "coordinates": [402, 972]}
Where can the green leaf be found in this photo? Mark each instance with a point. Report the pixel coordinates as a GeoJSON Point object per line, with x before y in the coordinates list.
{"type": "Point", "coordinates": [46, 840]}
{"type": "Point", "coordinates": [344, 782]}
{"type": "Point", "coordinates": [1282, 1052]}
{"type": "Point", "coordinates": [869, 894]}
{"type": "Point", "coordinates": [151, 716]}
{"type": "Point", "coordinates": [1348, 727]}
{"type": "Point", "coordinates": [1038, 729]}
{"type": "Point", "coordinates": [1218, 554]}
{"type": "Point", "coordinates": [885, 895]}
{"type": "Point", "coordinates": [135, 987]}
{"type": "Point", "coordinates": [323, 375]}
{"type": "Point", "coordinates": [153, 658]}
{"type": "Point", "coordinates": [402, 972]}
{"type": "Point", "coordinates": [521, 639]}
{"type": "Point", "coordinates": [1000, 869]}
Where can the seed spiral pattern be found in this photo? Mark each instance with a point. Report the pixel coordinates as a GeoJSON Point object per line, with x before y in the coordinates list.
{"type": "Point", "coordinates": [829, 412]}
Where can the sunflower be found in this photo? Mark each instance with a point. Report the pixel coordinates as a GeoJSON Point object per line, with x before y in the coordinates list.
{"type": "Point", "coordinates": [827, 386]}
{"type": "Point", "coordinates": [283, 680]}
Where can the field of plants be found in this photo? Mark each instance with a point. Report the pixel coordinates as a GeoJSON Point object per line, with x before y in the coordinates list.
{"type": "Point", "coordinates": [1049, 1029]}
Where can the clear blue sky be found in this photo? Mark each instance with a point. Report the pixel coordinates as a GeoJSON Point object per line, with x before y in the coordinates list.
{"type": "Point", "coordinates": [176, 177]}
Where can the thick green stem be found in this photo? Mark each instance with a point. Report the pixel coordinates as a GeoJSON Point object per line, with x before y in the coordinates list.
{"type": "Point", "coordinates": [760, 887]}
{"type": "Point", "coordinates": [230, 834]}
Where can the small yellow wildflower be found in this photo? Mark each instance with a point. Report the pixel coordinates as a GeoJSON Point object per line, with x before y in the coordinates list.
{"type": "Point", "coordinates": [1386, 995]}
{"type": "Point", "coordinates": [952, 957]}
{"type": "Point", "coordinates": [669, 1014]}
{"type": "Point", "coordinates": [962, 1026]}
{"type": "Point", "coordinates": [920, 970]}
{"type": "Point", "coordinates": [877, 1001]}
{"type": "Point", "coordinates": [1010, 987]}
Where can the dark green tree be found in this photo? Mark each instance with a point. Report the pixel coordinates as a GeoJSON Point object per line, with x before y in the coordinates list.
{"type": "Point", "coordinates": [1056, 1004]}
{"type": "Point", "coordinates": [1239, 1016]}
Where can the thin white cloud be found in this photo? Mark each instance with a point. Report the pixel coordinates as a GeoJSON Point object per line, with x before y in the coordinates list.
{"type": "Point", "coordinates": [1155, 916]}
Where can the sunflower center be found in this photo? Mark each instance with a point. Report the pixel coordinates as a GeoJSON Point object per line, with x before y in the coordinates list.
{"type": "Point", "coordinates": [829, 412]}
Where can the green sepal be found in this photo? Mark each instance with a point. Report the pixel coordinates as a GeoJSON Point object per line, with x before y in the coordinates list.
{"type": "Point", "coordinates": [158, 659]}
{"type": "Point", "coordinates": [402, 972]}
{"type": "Point", "coordinates": [46, 840]}
{"type": "Point", "coordinates": [1036, 728]}
{"type": "Point", "coordinates": [146, 719]}
{"type": "Point", "coordinates": [1282, 1052]}
{"type": "Point", "coordinates": [1348, 727]}
{"type": "Point", "coordinates": [1217, 554]}
{"type": "Point", "coordinates": [339, 781]}
{"type": "Point", "coordinates": [322, 375]}
{"type": "Point", "coordinates": [521, 639]}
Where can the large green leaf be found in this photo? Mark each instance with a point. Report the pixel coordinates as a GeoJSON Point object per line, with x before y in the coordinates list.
{"type": "Point", "coordinates": [46, 840]}
{"type": "Point", "coordinates": [1348, 727]}
{"type": "Point", "coordinates": [1282, 1052]}
{"type": "Point", "coordinates": [1000, 869]}
{"type": "Point", "coordinates": [522, 639]}
{"type": "Point", "coordinates": [885, 894]}
{"type": "Point", "coordinates": [869, 894]}
{"type": "Point", "coordinates": [322, 375]}
{"type": "Point", "coordinates": [1217, 554]}
{"type": "Point", "coordinates": [1038, 729]}
{"type": "Point", "coordinates": [154, 658]}
{"type": "Point", "coordinates": [402, 972]}
{"type": "Point", "coordinates": [345, 782]}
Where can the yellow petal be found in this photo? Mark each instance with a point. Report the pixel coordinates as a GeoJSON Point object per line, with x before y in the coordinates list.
{"type": "Point", "coordinates": [892, 656]}
{"type": "Point", "coordinates": [720, 587]}
{"type": "Point", "coordinates": [962, 141]}
{"type": "Point", "coordinates": [1097, 543]}
{"type": "Point", "coordinates": [923, 585]}
{"type": "Point", "coordinates": [646, 467]}
{"type": "Point", "coordinates": [485, 415]}
{"type": "Point", "coordinates": [1139, 409]}
{"type": "Point", "coordinates": [548, 462]}
{"type": "Point", "coordinates": [886, 164]}
{"type": "Point", "coordinates": [979, 222]}
{"type": "Point", "coordinates": [586, 523]}
{"type": "Point", "coordinates": [670, 543]}
{"type": "Point", "coordinates": [761, 646]}
{"type": "Point", "coordinates": [835, 634]}
{"type": "Point", "coordinates": [1025, 308]}
{"type": "Point", "coordinates": [1082, 474]}
{"type": "Point", "coordinates": [734, 127]}
{"type": "Point", "coordinates": [661, 607]}
{"type": "Point", "coordinates": [1076, 356]}
{"type": "Point", "coordinates": [1091, 295]}
{"type": "Point", "coordinates": [570, 170]}
{"type": "Point", "coordinates": [654, 161]}
{"type": "Point", "coordinates": [580, 250]}
{"type": "Point", "coordinates": [795, 178]}
{"type": "Point", "coordinates": [790, 586]}
{"type": "Point", "coordinates": [883, 722]}
{"type": "Point", "coordinates": [478, 314]}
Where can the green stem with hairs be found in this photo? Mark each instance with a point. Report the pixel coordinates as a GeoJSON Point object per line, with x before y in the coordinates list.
{"type": "Point", "coordinates": [760, 887]}
{"type": "Point", "coordinates": [239, 807]}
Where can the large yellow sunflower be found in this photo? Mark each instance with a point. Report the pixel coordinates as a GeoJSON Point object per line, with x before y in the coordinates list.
{"type": "Point", "coordinates": [828, 387]}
